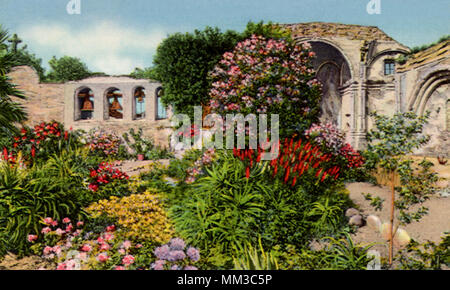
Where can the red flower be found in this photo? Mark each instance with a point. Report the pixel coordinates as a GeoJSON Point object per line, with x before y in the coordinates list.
{"type": "Point", "coordinates": [33, 152]}
{"type": "Point", "coordinates": [66, 135]}
{"type": "Point", "coordinates": [247, 172]}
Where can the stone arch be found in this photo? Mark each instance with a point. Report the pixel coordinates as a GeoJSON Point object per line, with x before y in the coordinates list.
{"type": "Point", "coordinates": [139, 102]}
{"type": "Point", "coordinates": [79, 96]}
{"type": "Point", "coordinates": [112, 96]}
{"type": "Point", "coordinates": [334, 71]}
{"type": "Point", "coordinates": [160, 109]}
{"type": "Point", "coordinates": [386, 52]}
{"type": "Point", "coordinates": [301, 40]}
{"type": "Point", "coordinates": [425, 89]}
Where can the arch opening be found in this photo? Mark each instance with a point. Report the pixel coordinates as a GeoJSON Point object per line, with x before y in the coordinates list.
{"type": "Point", "coordinates": [114, 101]}
{"type": "Point", "coordinates": [84, 104]}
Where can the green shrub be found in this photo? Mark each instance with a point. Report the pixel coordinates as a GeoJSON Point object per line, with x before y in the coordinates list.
{"type": "Point", "coordinates": [426, 256]}
{"type": "Point", "coordinates": [255, 259]}
{"type": "Point", "coordinates": [222, 208]}
{"type": "Point", "coordinates": [28, 196]}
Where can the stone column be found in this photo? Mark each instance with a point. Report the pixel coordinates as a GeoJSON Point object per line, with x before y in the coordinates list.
{"type": "Point", "coordinates": [99, 103]}
{"type": "Point", "coordinates": [150, 102]}
{"type": "Point", "coordinates": [127, 103]}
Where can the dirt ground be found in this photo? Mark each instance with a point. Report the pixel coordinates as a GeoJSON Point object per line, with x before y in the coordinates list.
{"type": "Point", "coordinates": [431, 227]}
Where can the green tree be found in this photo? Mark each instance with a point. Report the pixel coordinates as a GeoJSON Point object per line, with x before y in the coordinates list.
{"type": "Point", "coordinates": [146, 73]}
{"type": "Point", "coordinates": [67, 68]}
{"type": "Point", "coordinates": [10, 112]}
{"type": "Point", "coordinates": [391, 140]}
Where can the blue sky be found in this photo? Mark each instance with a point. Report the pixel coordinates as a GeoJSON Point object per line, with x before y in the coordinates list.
{"type": "Point", "coordinates": [117, 35]}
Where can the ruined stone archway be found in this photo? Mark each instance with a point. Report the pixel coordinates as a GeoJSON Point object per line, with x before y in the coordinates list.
{"type": "Point", "coordinates": [334, 73]}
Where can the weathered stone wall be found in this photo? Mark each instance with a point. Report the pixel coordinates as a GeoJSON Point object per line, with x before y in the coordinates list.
{"type": "Point", "coordinates": [44, 102]}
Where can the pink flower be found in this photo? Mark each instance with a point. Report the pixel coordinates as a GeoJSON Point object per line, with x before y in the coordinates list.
{"type": "Point", "coordinates": [32, 238]}
{"type": "Point", "coordinates": [47, 250]}
{"type": "Point", "coordinates": [119, 268]}
{"type": "Point", "coordinates": [138, 246]}
{"type": "Point", "coordinates": [48, 221]}
{"type": "Point", "coordinates": [111, 228]}
{"type": "Point", "coordinates": [57, 250]}
{"type": "Point", "coordinates": [80, 224]}
{"type": "Point", "coordinates": [86, 248]}
{"type": "Point", "coordinates": [46, 230]}
{"type": "Point", "coordinates": [66, 220]}
{"type": "Point", "coordinates": [128, 260]}
{"type": "Point", "coordinates": [108, 237]}
{"type": "Point", "coordinates": [126, 245]}
{"type": "Point", "coordinates": [69, 228]}
{"type": "Point", "coordinates": [60, 232]}
{"type": "Point", "coordinates": [121, 251]}
{"type": "Point", "coordinates": [103, 257]}
{"type": "Point", "coordinates": [54, 223]}
{"type": "Point", "coordinates": [61, 266]}
{"type": "Point", "coordinates": [104, 247]}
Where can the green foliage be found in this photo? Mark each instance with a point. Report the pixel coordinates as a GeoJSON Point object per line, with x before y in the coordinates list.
{"type": "Point", "coordinates": [28, 196]}
{"type": "Point", "coordinates": [252, 258]}
{"type": "Point", "coordinates": [426, 256]}
{"type": "Point", "coordinates": [375, 202]}
{"type": "Point", "coordinates": [182, 63]}
{"type": "Point", "coordinates": [417, 49]}
{"type": "Point", "coordinates": [415, 188]}
{"type": "Point", "coordinates": [222, 208]}
{"type": "Point", "coordinates": [393, 138]}
{"type": "Point", "coordinates": [337, 254]}
{"type": "Point", "coordinates": [327, 215]}
{"type": "Point", "coordinates": [10, 112]}
{"type": "Point", "coordinates": [145, 146]}
{"type": "Point", "coordinates": [343, 254]}
{"type": "Point", "coordinates": [66, 69]}
{"type": "Point", "coordinates": [146, 73]}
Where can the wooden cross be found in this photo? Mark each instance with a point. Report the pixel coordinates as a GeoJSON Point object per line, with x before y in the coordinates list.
{"type": "Point", "coordinates": [15, 40]}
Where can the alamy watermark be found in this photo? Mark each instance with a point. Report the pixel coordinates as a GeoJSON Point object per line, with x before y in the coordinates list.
{"type": "Point", "coordinates": [74, 7]}
{"type": "Point", "coordinates": [252, 126]}
{"type": "Point", "coordinates": [374, 7]}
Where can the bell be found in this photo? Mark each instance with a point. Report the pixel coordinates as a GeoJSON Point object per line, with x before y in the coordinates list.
{"type": "Point", "coordinates": [88, 106]}
{"type": "Point", "coordinates": [140, 96]}
{"type": "Point", "coordinates": [116, 105]}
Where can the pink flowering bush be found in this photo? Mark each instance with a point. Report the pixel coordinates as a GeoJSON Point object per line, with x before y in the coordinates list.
{"type": "Point", "coordinates": [176, 256]}
{"type": "Point", "coordinates": [268, 76]}
{"type": "Point", "coordinates": [332, 140]}
{"type": "Point", "coordinates": [327, 135]}
{"type": "Point", "coordinates": [103, 143]}
{"type": "Point", "coordinates": [197, 169]}
{"type": "Point", "coordinates": [71, 247]}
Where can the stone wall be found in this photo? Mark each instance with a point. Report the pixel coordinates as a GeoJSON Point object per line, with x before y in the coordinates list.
{"type": "Point", "coordinates": [44, 102]}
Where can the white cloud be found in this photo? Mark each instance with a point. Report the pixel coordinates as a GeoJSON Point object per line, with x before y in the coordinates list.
{"type": "Point", "coordinates": [106, 47]}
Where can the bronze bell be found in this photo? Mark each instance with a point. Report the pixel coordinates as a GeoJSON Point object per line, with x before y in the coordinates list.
{"type": "Point", "coordinates": [140, 96]}
{"type": "Point", "coordinates": [88, 106]}
{"type": "Point", "coordinates": [116, 105]}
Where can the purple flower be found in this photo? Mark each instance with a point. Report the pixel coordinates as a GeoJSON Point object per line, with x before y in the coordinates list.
{"type": "Point", "coordinates": [175, 267]}
{"type": "Point", "coordinates": [158, 265]}
{"type": "Point", "coordinates": [162, 252]}
{"type": "Point", "coordinates": [193, 254]}
{"type": "Point", "coordinates": [176, 256]}
{"type": "Point", "coordinates": [190, 268]}
{"type": "Point", "coordinates": [177, 244]}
